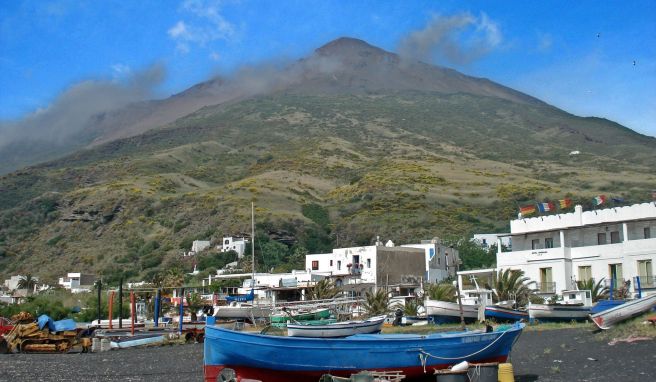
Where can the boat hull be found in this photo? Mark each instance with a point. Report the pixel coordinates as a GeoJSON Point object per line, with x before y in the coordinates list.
{"type": "Point", "coordinates": [278, 359]}
{"type": "Point", "coordinates": [245, 312]}
{"type": "Point", "coordinates": [443, 312]}
{"type": "Point", "coordinates": [610, 317]}
{"type": "Point", "coordinates": [544, 312]}
{"type": "Point", "coordinates": [602, 305]}
{"type": "Point", "coordinates": [338, 329]}
{"type": "Point", "coordinates": [500, 313]}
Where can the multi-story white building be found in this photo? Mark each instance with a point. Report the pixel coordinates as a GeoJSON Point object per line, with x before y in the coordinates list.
{"type": "Point", "coordinates": [237, 244]}
{"type": "Point", "coordinates": [400, 268]}
{"type": "Point", "coordinates": [613, 243]}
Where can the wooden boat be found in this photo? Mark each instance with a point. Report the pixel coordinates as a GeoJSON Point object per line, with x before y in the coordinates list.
{"type": "Point", "coordinates": [300, 315]}
{"type": "Point", "coordinates": [337, 329]}
{"type": "Point", "coordinates": [602, 305]}
{"type": "Point", "coordinates": [282, 359]}
{"type": "Point", "coordinates": [246, 311]}
{"type": "Point", "coordinates": [442, 312]}
{"type": "Point", "coordinates": [504, 313]}
{"type": "Point", "coordinates": [575, 306]}
{"type": "Point", "coordinates": [607, 318]}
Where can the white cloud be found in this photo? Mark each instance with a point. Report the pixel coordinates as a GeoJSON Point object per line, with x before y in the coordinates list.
{"type": "Point", "coordinates": [121, 70]}
{"type": "Point", "coordinates": [215, 56]}
{"type": "Point", "coordinates": [204, 24]}
{"type": "Point", "coordinates": [178, 30]}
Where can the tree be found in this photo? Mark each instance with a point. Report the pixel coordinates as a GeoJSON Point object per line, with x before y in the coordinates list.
{"type": "Point", "coordinates": [441, 292]}
{"type": "Point", "coordinates": [473, 256]}
{"type": "Point", "coordinates": [598, 290]}
{"type": "Point", "coordinates": [324, 290]}
{"type": "Point", "coordinates": [376, 303]}
{"type": "Point", "coordinates": [27, 282]}
{"type": "Point", "coordinates": [510, 284]}
{"type": "Point", "coordinates": [410, 308]}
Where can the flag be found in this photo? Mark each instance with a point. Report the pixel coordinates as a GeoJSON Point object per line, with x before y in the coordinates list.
{"type": "Point", "coordinates": [546, 207]}
{"type": "Point", "coordinates": [617, 200]}
{"type": "Point", "coordinates": [565, 203]}
{"type": "Point", "coordinates": [527, 210]}
{"type": "Point", "coordinates": [599, 200]}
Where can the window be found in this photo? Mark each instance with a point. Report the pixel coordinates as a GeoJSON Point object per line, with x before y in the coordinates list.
{"type": "Point", "coordinates": [369, 263]}
{"type": "Point", "coordinates": [535, 244]}
{"type": "Point", "coordinates": [645, 274]}
{"type": "Point", "coordinates": [548, 242]}
{"type": "Point", "coordinates": [615, 272]}
{"type": "Point", "coordinates": [644, 268]}
{"type": "Point", "coordinates": [647, 233]}
{"type": "Point", "coordinates": [227, 242]}
{"type": "Point", "coordinates": [601, 238]}
{"type": "Point", "coordinates": [585, 272]}
{"type": "Point", "coordinates": [339, 265]}
{"type": "Point", "coordinates": [315, 265]}
{"type": "Point", "coordinates": [615, 237]}
{"type": "Point", "coordinates": [331, 263]}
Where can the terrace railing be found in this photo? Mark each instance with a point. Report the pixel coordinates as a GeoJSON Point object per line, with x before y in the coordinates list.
{"type": "Point", "coordinates": [646, 282]}
{"type": "Point", "coordinates": [545, 287]}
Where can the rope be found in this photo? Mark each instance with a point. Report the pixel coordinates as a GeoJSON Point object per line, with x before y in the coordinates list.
{"type": "Point", "coordinates": [427, 354]}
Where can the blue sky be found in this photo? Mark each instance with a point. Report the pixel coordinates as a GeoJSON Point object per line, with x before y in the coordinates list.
{"type": "Point", "coordinates": [576, 55]}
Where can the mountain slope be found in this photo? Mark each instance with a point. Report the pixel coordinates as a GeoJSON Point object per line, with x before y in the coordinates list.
{"type": "Point", "coordinates": [397, 155]}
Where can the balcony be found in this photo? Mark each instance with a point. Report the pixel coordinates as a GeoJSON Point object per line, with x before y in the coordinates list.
{"type": "Point", "coordinates": [545, 287]}
{"type": "Point", "coordinates": [617, 283]}
{"type": "Point", "coordinates": [646, 282]}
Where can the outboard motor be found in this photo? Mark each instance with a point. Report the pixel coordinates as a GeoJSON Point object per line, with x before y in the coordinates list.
{"type": "Point", "coordinates": [398, 315]}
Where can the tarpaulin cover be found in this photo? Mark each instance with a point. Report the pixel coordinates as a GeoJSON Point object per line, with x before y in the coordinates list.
{"type": "Point", "coordinates": [55, 326]}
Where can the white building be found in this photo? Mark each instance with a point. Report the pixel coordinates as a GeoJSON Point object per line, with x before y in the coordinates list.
{"type": "Point", "coordinates": [486, 240]}
{"type": "Point", "coordinates": [613, 243]}
{"type": "Point", "coordinates": [400, 268]}
{"type": "Point", "coordinates": [77, 282]}
{"type": "Point", "coordinates": [12, 282]}
{"type": "Point", "coordinates": [199, 245]}
{"type": "Point", "coordinates": [440, 259]}
{"type": "Point", "coordinates": [237, 244]}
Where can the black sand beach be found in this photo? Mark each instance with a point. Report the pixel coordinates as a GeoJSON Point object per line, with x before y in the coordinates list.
{"type": "Point", "coordinates": [550, 355]}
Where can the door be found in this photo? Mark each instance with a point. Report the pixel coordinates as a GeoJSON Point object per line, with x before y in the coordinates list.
{"type": "Point", "coordinates": [615, 272]}
{"type": "Point", "coordinates": [546, 281]}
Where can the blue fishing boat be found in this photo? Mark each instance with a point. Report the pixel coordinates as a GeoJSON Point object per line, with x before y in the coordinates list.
{"type": "Point", "coordinates": [504, 313]}
{"type": "Point", "coordinates": [282, 359]}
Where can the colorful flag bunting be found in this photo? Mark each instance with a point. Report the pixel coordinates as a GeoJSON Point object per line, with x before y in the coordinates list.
{"type": "Point", "coordinates": [599, 200]}
{"type": "Point", "coordinates": [653, 194]}
{"type": "Point", "coordinates": [546, 207]}
{"type": "Point", "coordinates": [527, 210]}
{"type": "Point", "coordinates": [565, 203]}
{"type": "Point", "coordinates": [617, 200]}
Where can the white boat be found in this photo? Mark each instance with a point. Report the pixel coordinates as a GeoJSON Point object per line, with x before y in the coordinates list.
{"type": "Point", "coordinates": [607, 318]}
{"type": "Point", "coordinates": [440, 312]}
{"type": "Point", "coordinates": [246, 311]}
{"type": "Point", "coordinates": [337, 329]}
{"type": "Point", "coordinates": [575, 306]}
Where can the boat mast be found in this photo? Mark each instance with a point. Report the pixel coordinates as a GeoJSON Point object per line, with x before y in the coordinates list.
{"type": "Point", "coordinates": [252, 246]}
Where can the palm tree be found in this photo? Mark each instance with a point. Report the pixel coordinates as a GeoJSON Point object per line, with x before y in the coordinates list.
{"type": "Point", "coordinates": [324, 290]}
{"type": "Point", "coordinates": [410, 308]}
{"type": "Point", "coordinates": [598, 290]}
{"type": "Point", "coordinates": [194, 303]}
{"type": "Point", "coordinates": [376, 303]}
{"type": "Point", "coordinates": [511, 284]}
{"type": "Point", "coordinates": [441, 292]}
{"type": "Point", "coordinates": [27, 282]}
